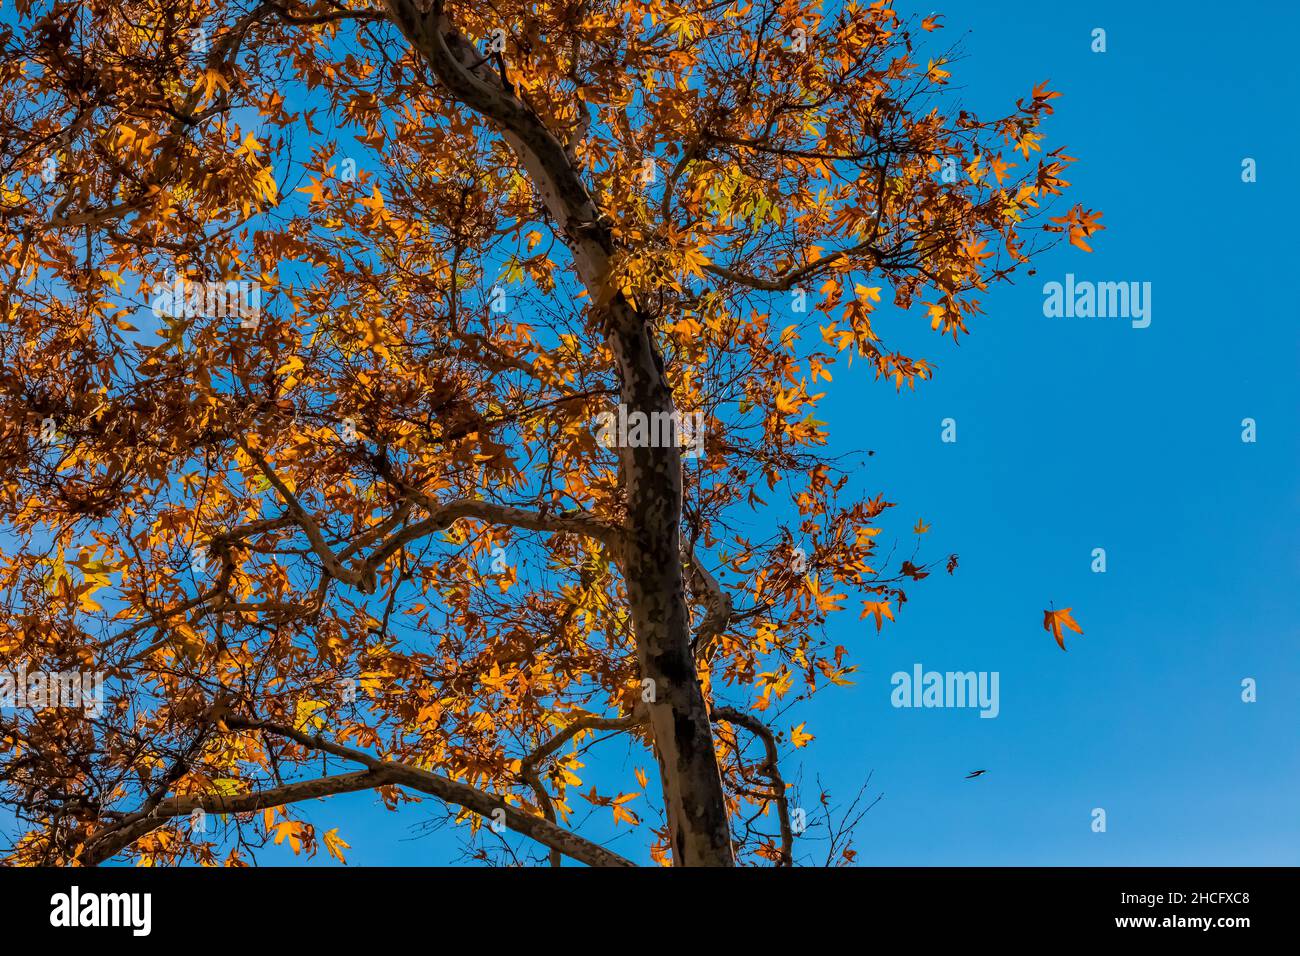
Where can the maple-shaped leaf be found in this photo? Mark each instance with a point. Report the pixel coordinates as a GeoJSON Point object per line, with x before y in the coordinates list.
{"type": "Point", "coordinates": [880, 609]}
{"type": "Point", "coordinates": [335, 844]}
{"type": "Point", "coordinates": [1054, 620]}
{"type": "Point", "coordinates": [621, 812]}
{"type": "Point", "coordinates": [1081, 225]}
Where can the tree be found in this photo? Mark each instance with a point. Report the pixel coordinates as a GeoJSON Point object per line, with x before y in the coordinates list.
{"type": "Point", "coordinates": [475, 339]}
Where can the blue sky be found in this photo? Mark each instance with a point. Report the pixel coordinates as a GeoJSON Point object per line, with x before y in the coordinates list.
{"type": "Point", "coordinates": [1081, 433]}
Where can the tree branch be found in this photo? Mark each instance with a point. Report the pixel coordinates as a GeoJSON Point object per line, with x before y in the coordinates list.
{"type": "Point", "coordinates": [528, 766]}
{"type": "Point", "coordinates": [770, 769]}
{"type": "Point", "coordinates": [718, 606]}
{"type": "Point", "coordinates": [377, 773]}
{"type": "Point", "coordinates": [110, 842]}
{"type": "Point", "coordinates": [452, 791]}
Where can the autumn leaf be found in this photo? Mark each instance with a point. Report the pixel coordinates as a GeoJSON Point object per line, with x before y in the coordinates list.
{"type": "Point", "coordinates": [307, 714]}
{"type": "Point", "coordinates": [910, 570]}
{"type": "Point", "coordinates": [294, 831]}
{"type": "Point", "coordinates": [1080, 224]}
{"type": "Point", "coordinates": [622, 813]}
{"type": "Point", "coordinates": [249, 147]}
{"type": "Point", "coordinates": [1054, 620]}
{"type": "Point", "coordinates": [209, 81]}
{"type": "Point", "coordinates": [335, 844]}
{"type": "Point", "coordinates": [878, 608]}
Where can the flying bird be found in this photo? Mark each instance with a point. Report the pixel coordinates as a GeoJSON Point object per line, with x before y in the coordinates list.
{"type": "Point", "coordinates": [975, 773]}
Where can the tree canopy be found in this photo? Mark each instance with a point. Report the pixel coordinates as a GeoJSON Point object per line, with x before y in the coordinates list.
{"type": "Point", "coordinates": [312, 313]}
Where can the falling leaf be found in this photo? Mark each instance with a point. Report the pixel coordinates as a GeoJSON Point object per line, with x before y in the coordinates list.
{"type": "Point", "coordinates": [1053, 621]}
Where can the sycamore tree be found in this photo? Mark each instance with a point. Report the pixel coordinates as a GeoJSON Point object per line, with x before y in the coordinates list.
{"type": "Point", "coordinates": [420, 396]}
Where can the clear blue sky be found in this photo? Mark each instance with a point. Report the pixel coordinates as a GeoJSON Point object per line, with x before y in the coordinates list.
{"type": "Point", "coordinates": [1082, 433]}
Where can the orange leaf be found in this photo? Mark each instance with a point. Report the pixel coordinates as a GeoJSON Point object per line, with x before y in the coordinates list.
{"type": "Point", "coordinates": [1054, 620]}
{"type": "Point", "coordinates": [880, 609]}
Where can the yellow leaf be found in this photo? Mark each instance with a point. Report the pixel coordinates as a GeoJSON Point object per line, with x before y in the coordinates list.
{"type": "Point", "coordinates": [292, 365]}
{"type": "Point", "coordinates": [249, 146]}
{"type": "Point", "coordinates": [209, 81]}
{"type": "Point", "coordinates": [798, 737]}
{"type": "Point", "coordinates": [335, 844]}
{"type": "Point", "coordinates": [305, 714]}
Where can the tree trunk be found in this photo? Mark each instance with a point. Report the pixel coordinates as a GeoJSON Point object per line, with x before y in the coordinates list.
{"type": "Point", "coordinates": [688, 766]}
{"type": "Point", "coordinates": [652, 566]}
